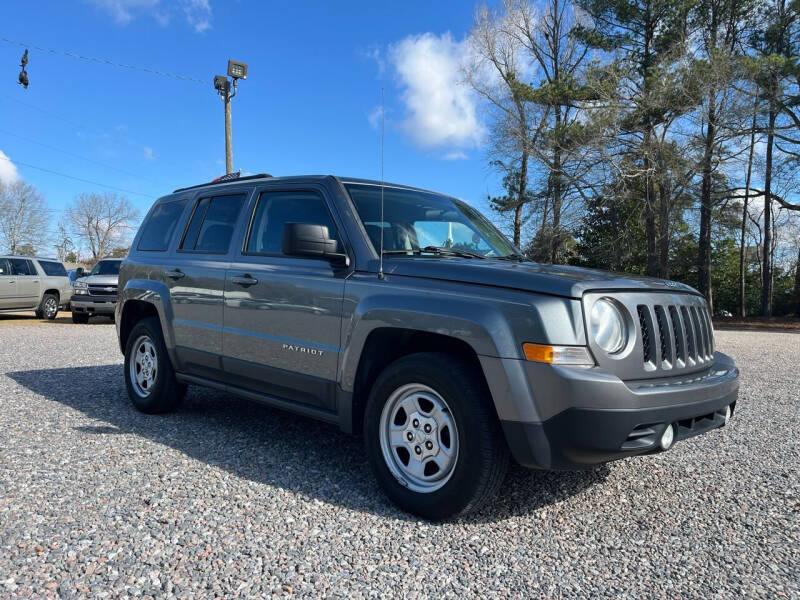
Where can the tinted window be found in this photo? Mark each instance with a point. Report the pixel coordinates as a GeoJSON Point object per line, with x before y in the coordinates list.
{"type": "Point", "coordinates": [190, 237]}
{"type": "Point", "coordinates": [106, 267]}
{"type": "Point", "coordinates": [20, 266]}
{"type": "Point", "coordinates": [275, 209]}
{"type": "Point", "coordinates": [54, 269]}
{"type": "Point", "coordinates": [211, 226]}
{"type": "Point", "coordinates": [158, 230]}
{"type": "Point", "coordinates": [5, 268]}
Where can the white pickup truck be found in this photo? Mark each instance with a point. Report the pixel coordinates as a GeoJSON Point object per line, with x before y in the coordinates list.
{"type": "Point", "coordinates": [32, 283]}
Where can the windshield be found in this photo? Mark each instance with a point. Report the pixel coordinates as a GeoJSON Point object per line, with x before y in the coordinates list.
{"type": "Point", "coordinates": [106, 267]}
{"type": "Point", "coordinates": [415, 220]}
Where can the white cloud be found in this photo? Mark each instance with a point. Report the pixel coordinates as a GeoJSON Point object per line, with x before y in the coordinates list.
{"type": "Point", "coordinates": [455, 155]}
{"type": "Point", "coordinates": [148, 153]}
{"type": "Point", "coordinates": [374, 54]}
{"type": "Point", "coordinates": [196, 12]}
{"type": "Point", "coordinates": [442, 111]}
{"type": "Point", "coordinates": [374, 118]}
{"type": "Point", "coordinates": [8, 170]}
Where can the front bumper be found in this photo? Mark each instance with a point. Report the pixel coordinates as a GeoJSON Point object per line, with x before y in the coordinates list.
{"type": "Point", "coordinates": [595, 417]}
{"type": "Point", "coordinates": [93, 305]}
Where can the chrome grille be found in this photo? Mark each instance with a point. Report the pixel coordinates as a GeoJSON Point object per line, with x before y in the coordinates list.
{"type": "Point", "coordinates": [102, 290]}
{"type": "Point", "coordinates": [671, 334]}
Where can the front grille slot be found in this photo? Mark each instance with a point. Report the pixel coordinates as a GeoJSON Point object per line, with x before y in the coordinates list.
{"type": "Point", "coordinates": [664, 336]}
{"type": "Point", "coordinates": [678, 335]}
{"type": "Point", "coordinates": [691, 344]}
{"type": "Point", "coordinates": [709, 331]}
{"type": "Point", "coordinates": [646, 332]}
{"type": "Point", "coordinates": [702, 336]}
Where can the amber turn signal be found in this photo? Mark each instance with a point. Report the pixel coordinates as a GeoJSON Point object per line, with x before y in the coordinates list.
{"type": "Point", "coordinates": [558, 355]}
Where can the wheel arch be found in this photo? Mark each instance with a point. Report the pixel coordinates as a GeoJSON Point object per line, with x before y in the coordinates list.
{"type": "Point", "coordinates": [141, 299]}
{"type": "Point", "coordinates": [53, 291]}
{"type": "Point", "coordinates": [384, 345]}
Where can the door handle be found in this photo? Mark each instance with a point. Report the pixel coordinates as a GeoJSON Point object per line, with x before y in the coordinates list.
{"type": "Point", "coordinates": [244, 280]}
{"type": "Point", "coordinates": [176, 274]}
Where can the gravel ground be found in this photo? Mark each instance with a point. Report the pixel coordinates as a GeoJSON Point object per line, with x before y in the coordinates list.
{"type": "Point", "coordinates": [232, 499]}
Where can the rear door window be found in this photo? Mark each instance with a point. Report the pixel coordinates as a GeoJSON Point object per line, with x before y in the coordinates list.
{"type": "Point", "coordinates": [212, 224]}
{"type": "Point", "coordinates": [159, 228]}
{"type": "Point", "coordinates": [21, 266]}
{"type": "Point", "coordinates": [52, 268]}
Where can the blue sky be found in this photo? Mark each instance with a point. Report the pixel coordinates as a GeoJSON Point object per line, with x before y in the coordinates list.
{"type": "Point", "coordinates": [309, 104]}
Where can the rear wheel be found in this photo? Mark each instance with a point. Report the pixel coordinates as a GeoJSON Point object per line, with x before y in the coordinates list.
{"type": "Point", "coordinates": [80, 318]}
{"type": "Point", "coordinates": [433, 438]}
{"type": "Point", "coordinates": [48, 307]}
{"type": "Point", "coordinates": [149, 376]}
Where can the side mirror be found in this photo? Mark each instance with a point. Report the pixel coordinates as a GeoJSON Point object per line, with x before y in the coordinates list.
{"type": "Point", "coordinates": [313, 241]}
{"type": "Point", "coordinates": [79, 272]}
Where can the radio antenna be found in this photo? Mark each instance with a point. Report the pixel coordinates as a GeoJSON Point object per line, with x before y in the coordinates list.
{"type": "Point", "coordinates": [383, 135]}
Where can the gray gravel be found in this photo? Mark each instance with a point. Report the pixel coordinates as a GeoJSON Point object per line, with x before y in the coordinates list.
{"type": "Point", "coordinates": [229, 498]}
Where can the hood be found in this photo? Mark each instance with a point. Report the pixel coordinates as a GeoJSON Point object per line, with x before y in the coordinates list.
{"type": "Point", "coordinates": [557, 280]}
{"type": "Point", "coordinates": [101, 279]}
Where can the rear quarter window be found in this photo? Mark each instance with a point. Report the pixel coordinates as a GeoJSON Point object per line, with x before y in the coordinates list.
{"type": "Point", "coordinates": [157, 231]}
{"type": "Point", "coordinates": [52, 268]}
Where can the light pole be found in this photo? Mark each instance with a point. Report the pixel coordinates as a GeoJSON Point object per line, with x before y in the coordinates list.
{"type": "Point", "coordinates": [237, 71]}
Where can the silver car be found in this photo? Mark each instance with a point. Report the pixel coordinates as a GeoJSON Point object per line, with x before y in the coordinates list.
{"type": "Point", "coordinates": [96, 294]}
{"type": "Point", "coordinates": [33, 283]}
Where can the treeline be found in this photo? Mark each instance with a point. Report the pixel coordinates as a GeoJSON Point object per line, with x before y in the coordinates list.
{"type": "Point", "coordinates": [93, 225]}
{"type": "Point", "coordinates": [653, 136]}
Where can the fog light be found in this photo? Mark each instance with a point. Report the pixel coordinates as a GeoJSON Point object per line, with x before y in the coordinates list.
{"type": "Point", "coordinates": [667, 437]}
{"type": "Point", "coordinates": [728, 413]}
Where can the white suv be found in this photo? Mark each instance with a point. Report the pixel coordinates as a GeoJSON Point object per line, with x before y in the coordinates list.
{"type": "Point", "coordinates": [37, 284]}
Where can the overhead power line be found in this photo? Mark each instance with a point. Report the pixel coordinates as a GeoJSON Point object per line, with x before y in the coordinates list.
{"type": "Point", "coordinates": [105, 185]}
{"type": "Point", "coordinates": [68, 153]}
{"type": "Point", "coordinates": [104, 61]}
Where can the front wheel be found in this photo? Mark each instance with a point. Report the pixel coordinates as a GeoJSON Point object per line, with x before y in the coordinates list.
{"type": "Point", "coordinates": [433, 438]}
{"type": "Point", "coordinates": [149, 377]}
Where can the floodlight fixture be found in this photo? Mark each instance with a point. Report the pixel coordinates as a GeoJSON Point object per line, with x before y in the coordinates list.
{"type": "Point", "coordinates": [237, 70]}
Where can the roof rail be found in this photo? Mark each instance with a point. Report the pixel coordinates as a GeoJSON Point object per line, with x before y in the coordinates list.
{"type": "Point", "coordinates": [224, 179]}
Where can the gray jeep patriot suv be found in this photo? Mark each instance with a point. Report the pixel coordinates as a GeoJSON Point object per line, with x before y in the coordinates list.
{"type": "Point", "coordinates": [451, 356]}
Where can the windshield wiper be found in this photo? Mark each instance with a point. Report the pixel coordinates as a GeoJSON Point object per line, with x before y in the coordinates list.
{"type": "Point", "coordinates": [451, 252]}
{"type": "Point", "coordinates": [512, 256]}
{"type": "Point", "coordinates": [438, 250]}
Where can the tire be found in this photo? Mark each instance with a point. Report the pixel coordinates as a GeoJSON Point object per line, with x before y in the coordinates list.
{"type": "Point", "coordinates": [155, 390]}
{"type": "Point", "coordinates": [465, 443]}
{"type": "Point", "coordinates": [80, 318]}
{"type": "Point", "coordinates": [48, 307]}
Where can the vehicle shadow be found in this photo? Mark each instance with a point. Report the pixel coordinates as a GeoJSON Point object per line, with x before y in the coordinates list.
{"type": "Point", "coordinates": [270, 446]}
{"type": "Point", "coordinates": [63, 318]}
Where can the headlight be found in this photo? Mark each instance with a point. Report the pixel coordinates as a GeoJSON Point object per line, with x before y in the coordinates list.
{"type": "Point", "coordinates": [608, 326]}
{"type": "Point", "coordinates": [80, 285]}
